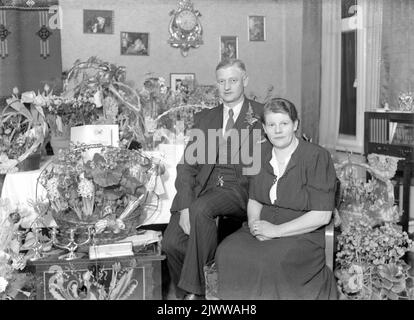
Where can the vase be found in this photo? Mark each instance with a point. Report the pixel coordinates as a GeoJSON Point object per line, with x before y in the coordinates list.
{"type": "Point", "coordinates": [59, 142]}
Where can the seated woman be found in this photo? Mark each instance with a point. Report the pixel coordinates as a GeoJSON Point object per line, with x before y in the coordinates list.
{"type": "Point", "coordinates": [280, 252]}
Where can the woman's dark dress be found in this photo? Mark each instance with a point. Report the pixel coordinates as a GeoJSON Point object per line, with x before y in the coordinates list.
{"type": "Point", "coordinates": [289, 267]}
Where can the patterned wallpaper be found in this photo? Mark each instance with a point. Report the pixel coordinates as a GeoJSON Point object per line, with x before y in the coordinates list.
{"type": "Point", "coordinates": [397, 61]}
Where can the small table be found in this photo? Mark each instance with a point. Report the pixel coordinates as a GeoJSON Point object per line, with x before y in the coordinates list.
{"type": "Point", "coordinates": [138, 277]}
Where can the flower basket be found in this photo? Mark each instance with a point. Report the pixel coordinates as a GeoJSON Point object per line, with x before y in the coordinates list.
{"type": "Point", "coordinates": [110, 192]}
{"type": "Point", "coordinates": [22, 133]}
{"type": "Point", "coordinates": [69, 220]}
{"type": "Point", "coordinates": [371, 246]}
{"type": "Point", "coordinates": [371, 201]}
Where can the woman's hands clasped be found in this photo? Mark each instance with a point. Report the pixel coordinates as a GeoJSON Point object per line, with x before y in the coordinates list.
{"type": "Point", "coordinates": [263, 230]}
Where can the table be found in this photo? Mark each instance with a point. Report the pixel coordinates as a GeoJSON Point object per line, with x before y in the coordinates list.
{"type": "Point", "coordinates": [137, 277]}
{"type": "Point", "coordinates": [20, 187]}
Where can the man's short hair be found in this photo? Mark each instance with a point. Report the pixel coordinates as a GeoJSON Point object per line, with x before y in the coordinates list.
{"type": "Point", "coordinates": [231, 62]}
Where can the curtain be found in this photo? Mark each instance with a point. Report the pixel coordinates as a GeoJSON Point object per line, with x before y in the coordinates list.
{"type": "Point", "coordinates": [30, 48]}
{"type": "Point", "coordinates": [373, 19]}
{"type": "Point", "coordinates": [397, 61]}
{"type": "Point", "coordinates": [331, 73]}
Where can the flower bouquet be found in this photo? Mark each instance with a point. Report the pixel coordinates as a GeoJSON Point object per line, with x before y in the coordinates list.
{"type": "Point", "coordinates": [371, 201]}
{"type": "Point", "coordinates": [104, 85]}
{"type": "Point", "coordinates": [370, 265]}
{"type": "Point", "coordinates": [23, 129]}
{"type": "Point", "coordinates": [107, 192]}
{"type": "Point", "coordinates": [11, 260]}
{"type": "Point", "coordinates": [169, 114]}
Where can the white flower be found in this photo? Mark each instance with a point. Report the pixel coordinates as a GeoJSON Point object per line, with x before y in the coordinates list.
{"type": "Point", "coordinates": [52, 188]}
{"type": "Point", "coordinates": [28, 96]}
{"type": "Point", "coordinates": [46, 88]}
{"type": "Point", "coordinates": [15, 91]}
{"type": "Point", "coordinates": [136, 171]}
{"type": "Point", "coordinates": [356, 269]}
{"type": "Point", "coordinates": [39, 100]}
{"type": "Point", "coordinates": [86, 188]}
{"type": "Point", "coordinates": [356, 282]}
{"type": "Point", "coordinates": [3, 284]}
{"type": "Point", "coordinates": [163, 89]}
{"type": "Point", "coordinates": [4, 256]}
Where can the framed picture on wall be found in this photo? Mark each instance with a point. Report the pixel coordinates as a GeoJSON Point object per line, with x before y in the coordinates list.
{"type": "Point", "coordinates": [182, 82]}
{"type": "Point", "coordinates": [134, 43]}
{"type": "Point", "coordinates": [228, 47]}
{"type": "Point", "coordinates": [257, 28]}
{"type": "Point", "coordinates": [98, 21]}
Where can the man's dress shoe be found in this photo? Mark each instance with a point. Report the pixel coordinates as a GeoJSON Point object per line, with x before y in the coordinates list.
{"type": "Point", "coordinates": [192, 296]}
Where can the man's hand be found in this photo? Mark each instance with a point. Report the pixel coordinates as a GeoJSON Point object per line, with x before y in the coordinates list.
{"type": "Point", "coordinates": [185, 221]}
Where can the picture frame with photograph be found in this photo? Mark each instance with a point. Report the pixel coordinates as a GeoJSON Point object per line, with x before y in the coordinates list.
{"type": "Point", "coordinates": [257, 28]}
{"type": "Point", "coordinates": [98, 21]}
{"type": "Point", "coordinates": [134, 43]}
{"type": "Point", "coordinates": [182, 82]}
{"type": "Point", "coordinates": [229, 47]}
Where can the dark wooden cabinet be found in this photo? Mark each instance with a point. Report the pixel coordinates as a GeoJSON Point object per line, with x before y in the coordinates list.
{"type": "Point", "coordinates": [392, 133]}
{"type": "Point", "coordinates": [135, 277]}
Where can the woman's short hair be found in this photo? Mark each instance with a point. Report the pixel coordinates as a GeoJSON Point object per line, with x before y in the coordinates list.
{"type": "Point", "coordinates": [280, 105]}
{"type": "Point", "coordinates": [231, 62]}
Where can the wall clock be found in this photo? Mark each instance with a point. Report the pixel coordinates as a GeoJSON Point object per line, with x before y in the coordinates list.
{"type": "Point", "coordinates": [185, 27]}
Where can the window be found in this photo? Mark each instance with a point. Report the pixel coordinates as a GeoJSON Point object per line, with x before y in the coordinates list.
{"type": "Point", "coordinates": [348, 115]}
{"type": "Point", "coordinates": [351, 51]}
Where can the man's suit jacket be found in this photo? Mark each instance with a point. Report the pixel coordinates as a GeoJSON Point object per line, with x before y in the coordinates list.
{"type": "Point", "coordinates": [192, 178]}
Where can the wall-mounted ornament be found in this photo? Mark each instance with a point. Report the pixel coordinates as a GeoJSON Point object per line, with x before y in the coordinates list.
{"type": "Point", "coordinates": [44, 33]}
{"type": "Point", "coordinates": [185, 27]}
{"type": "Point", "coordinates": [4, 32]}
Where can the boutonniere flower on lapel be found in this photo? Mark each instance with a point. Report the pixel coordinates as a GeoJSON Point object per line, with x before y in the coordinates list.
{"type": "Point", "coordinates": [251, 117]}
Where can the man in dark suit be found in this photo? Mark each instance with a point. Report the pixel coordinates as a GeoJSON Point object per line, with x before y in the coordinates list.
{"type": "Point", "coordinates": [212, 179]}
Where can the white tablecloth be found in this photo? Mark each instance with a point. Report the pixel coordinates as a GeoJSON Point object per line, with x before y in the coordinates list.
{"type": "Point", "coordinates": [170, 155]}
{"type": "Point", "coordinates": [20, 187]}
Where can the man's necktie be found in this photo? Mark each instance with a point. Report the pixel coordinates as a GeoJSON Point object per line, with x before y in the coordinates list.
{"type": "Point", "coordinates": [230, 121]}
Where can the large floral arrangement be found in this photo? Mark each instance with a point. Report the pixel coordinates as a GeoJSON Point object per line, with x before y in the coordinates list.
{"type": "Point", "coordinates": [371, 245]}
{"type": "Point", "coordinates": [96, 92]}
{"type": "Point", "coordinates": [12, 282]}
{"type": "Point", "coordinates": [23, 129]}
{"type": "Point", "coordinates": [105, 190]}
{"type": "Point", "coordinates": [63, 113]}
{"type": "Point", "coordinates": [167, 112]}
{"type": "Point", "coordinates": [372, 200]}
{"type": "Point", "coordinates": [369, 262]}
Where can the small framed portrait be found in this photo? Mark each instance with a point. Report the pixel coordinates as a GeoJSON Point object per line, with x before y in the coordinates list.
{"type": "Point", "coordinates": [134, 43]}
{"type": "Point", "coordinates": [182, 82]}
{"type": "Point", "coordinates": [98, 21]}
{"type": "Point", "coordinates": [228, 47]}
{"type": "Point", "coordinates": [257, 28]}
